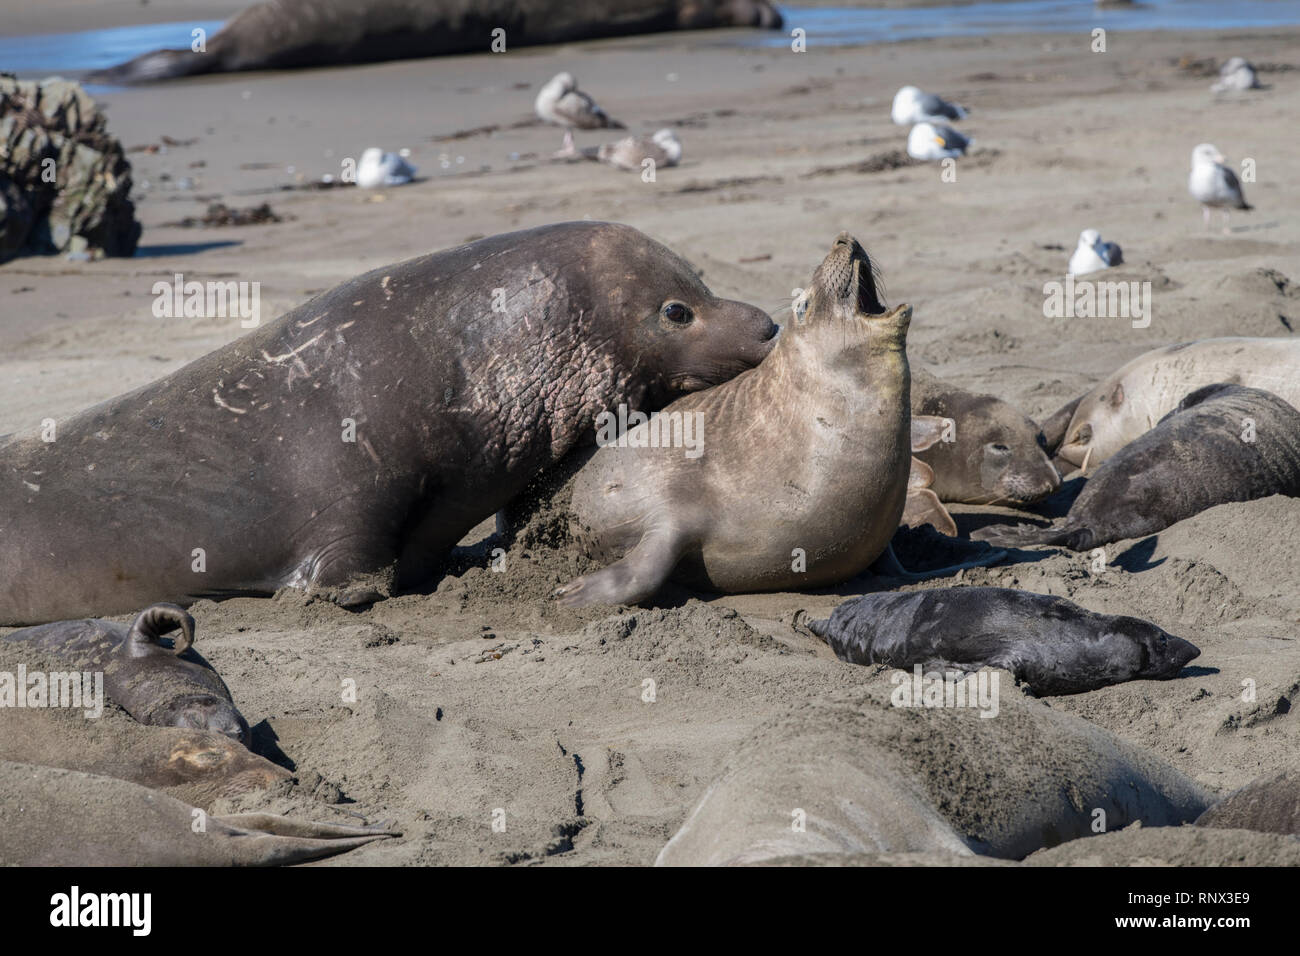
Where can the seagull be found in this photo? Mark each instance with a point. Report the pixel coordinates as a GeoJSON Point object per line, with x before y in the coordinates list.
{"type": "Point", "coordinates": [562, 103]}
{"type": "Point", "coordinates": [1093, 255]}
{"type": "Point", "coordinates": [378, 168]}
{"type": "Point", "coordinates": [630, 152]}
{"type": "Point", "coordinates": [1236, 75]}
{"type": "Point", "coordinates": [936, 141]}
{"type": "Point", "coordinates": [1213, 184]}
{"type": "Point", "coordinates": [912, 106]}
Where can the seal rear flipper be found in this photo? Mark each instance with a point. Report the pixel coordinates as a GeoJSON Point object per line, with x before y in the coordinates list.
{"type": "Point", "coordinates": [156, 65]}
{"type": "Point", "coordinates": [276, 825]}
{"type": "Point", "coordinates": [157, 620]}
{"type": "Point", "coordinates": [1006, 536]}
{"type": "Point", "coordinates": [888, 566]}
{"type": "Point", "coordinates": [1054, 428]}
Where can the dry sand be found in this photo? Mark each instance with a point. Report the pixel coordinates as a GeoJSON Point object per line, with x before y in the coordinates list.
{"type": "Point", "coordinates": [483, 695]}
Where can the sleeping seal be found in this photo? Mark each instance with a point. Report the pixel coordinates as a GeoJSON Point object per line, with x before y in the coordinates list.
{"type": "Point", "coordinates": [285, 34]}
{"type": "Point", "coordinates": [155, 684]}
{"type": "Point", "coordinates": [996, 455]}
{"type": "Point", "coordinates": [1270, 804]}
{"type": "Point", "coordinates": [1052, 645]}
{"type": "Point", "coordinates": [54, 817]}
{"type": "Point", "coordinates": [1222, 443]}
{"type": "Point", "coordinates": [810, 451]}
{"type": "Point", "coordinates": [852, 774]}
{"type": "Point", "coordinates": [1133, 399]}
{"type": "Point", "coordinates": [351, 443]}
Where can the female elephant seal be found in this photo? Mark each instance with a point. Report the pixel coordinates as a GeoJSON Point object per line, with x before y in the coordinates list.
{"type": "Point", "coordinates": [280, 34]}
{"type": "Point", "coordinates": [1222, 443]}
{"type": "Point", "coordinates": [810, 453]}
{"type": "Point", "coordinates": [55, 817]}
{"type": "Point", "coordinates": [364, 432]}
{"type": "Point", "coordinates": [167, 686]}
{"type": "Point", "coordinates": [1131, 401]}
{"type": "Point", "coordinates": [994, 454]}
{"type": "Point", "coordinates": [1052, 645]}
{"type": "Point", "coordinates": [854, 772]}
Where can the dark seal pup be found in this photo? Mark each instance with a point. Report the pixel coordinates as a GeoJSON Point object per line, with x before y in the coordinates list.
{"type": "Point", "coordinates": [1052, 645]}
{"type": "Point", "coordinates": [167, 686]}
{"type": "Point", "coordinates": [996, 454]}
{"type": "Point", "coordinates": [365, 431]}
{"type": "Point", "coordinates": [809, 453]}
{"type": "Point", "coordinates": [1222, 443]}
{"type": "Point", "coordinates": [284, 34]}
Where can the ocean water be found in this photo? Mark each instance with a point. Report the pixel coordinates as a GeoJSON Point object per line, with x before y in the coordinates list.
{"type": "Point", "coordinates": [46, 54]}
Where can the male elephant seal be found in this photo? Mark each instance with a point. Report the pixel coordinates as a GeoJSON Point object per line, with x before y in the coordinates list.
{"type": "Point", "coordinates": [365, 431]}
{"type": "Point", "coordinates": [995, 454]}
{"type": "Point", "coordinates": [1132, 400]}
{"type": "Point", "coordinates": [809, 453]}
{"type": "Point", "coordinates": [167, 686]}
{"type": "Point", "coordinates": [1052, 645]}
{"type": "Point", "coordinates": [284, 34]}
{"type": "Point", "coordinates": [1222, 443]}
{"type": "Point", "coordinates": [853, 774]}
{"type": "Point", "coordinates": [54, 817]}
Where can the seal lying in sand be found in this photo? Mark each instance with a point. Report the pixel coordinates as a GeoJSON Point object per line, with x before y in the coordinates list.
{"type": "Point", "coordinates": [1270, 804]}
{"type": "Point", "coordinates": [809, 451]}
{"type": "Point", "coordinates": [996, 455]}
{"type": "Point", "coordinates": [360, 436]}
{"type": "Point", "coordinates": [284, 34]}
{"type": "Point", "coordinates": [1052, 645]}
{"type": "Point", "coordinates": [53, 817]}
{"type": "Point", "coordinates": [862, 776]}
{"type": "Point", "coordinates": [168, 686]}
{"type": "Point", "coordinates": [1222, 443]}
{"type": "Point", "coordinates": [1131, 401]}
{"type": "Point", "coordinates": [45, 723]}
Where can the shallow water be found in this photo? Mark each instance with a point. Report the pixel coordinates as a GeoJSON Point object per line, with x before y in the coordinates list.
{"type": "Point", "coordinates": [45, 54]}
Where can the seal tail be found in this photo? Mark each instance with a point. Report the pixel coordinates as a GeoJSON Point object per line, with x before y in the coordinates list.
{"type": "Point", "coordinates": [156, 65]}
{"type": "Point", "coordinates": [159, 619]}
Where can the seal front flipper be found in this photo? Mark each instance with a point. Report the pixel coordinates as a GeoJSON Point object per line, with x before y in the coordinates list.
{"type": "Point", "coordinates": [634, 578]}
{"type": "Point", "coordinates": [155, 621]}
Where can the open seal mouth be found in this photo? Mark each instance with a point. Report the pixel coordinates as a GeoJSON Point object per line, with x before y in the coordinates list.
{"type": "Point", "coordinates": [849, 275]}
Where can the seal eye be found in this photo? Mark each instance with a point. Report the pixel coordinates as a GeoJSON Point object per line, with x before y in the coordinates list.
{"type": "Point", "coordinates": [1000, 448]}
{"type": "Point", "coordinates": [677, 314]}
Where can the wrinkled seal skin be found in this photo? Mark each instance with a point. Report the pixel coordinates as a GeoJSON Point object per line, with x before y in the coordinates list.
{"type": "Point", "coordinates": [1133, 399]}
{"type": "Point", "coordinates": [1193, 460]}
{"type": "Point", "coordinates": [456, 406]}
{"type": "Point", "coordinates": [997, 455]}
{"type": "Point", "coordinates": [286, 34]}
{"type": "Point", "coordinates": [810, 450]}
{"type": "Point", "coordinates": [155, 684]}
{"type": "Point", "coordinates": [1052, 645]}
{"type": "Point", "coordinates": [56, 817]}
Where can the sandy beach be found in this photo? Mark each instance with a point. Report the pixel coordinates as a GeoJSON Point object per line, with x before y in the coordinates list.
{"type": "Point", "coordinates": [484, 694]}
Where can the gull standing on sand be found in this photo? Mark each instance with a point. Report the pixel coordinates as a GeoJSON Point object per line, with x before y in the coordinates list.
{"type": "Point", "coordinates": [1213, 184]}
{"type": "Point", "coordinates": [562, 103]}
{"type": "Point", "coordinates": [1093, 255]}
{"type": "Point", "coordinates": [1235, 76]}
{"type": "Point", "coordinates": [936, 141]}
{"type": "Point", "coordinates": [912, 106]}
{"type": "Point", "coordinates": [378, 168]}
{"type": "Point", "coordinates": [630, 152]}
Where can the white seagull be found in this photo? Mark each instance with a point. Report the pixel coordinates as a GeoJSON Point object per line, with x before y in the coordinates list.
{"type": "Point", "coordinates": [1236, 75]}
{"type": "Point", "coordinates": [936, 141]}
{"type": "Point", "coordinates": [1093, 255]}
{"type": "Point", "coordinates": [912, 106]}
{"type": "Point", "coordinates": [630, 152]}
{"type": "Point", "coordinates": [378, 168]}
{"type": "Point", "coordinates": [1213, 184]}
{"type": "Point", "coordinates": [562, 103]}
